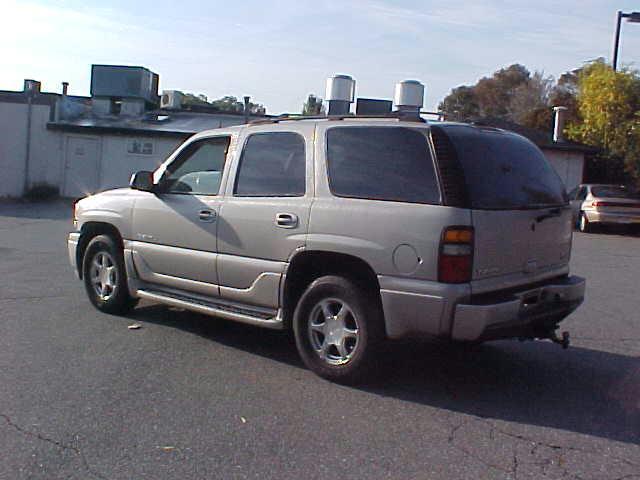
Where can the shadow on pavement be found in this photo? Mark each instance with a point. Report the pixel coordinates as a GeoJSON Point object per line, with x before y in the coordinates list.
{"type": "Point", "coordinates": [581, 390]}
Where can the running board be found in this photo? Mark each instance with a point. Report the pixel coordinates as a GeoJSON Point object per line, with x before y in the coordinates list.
{"type": "Point", "coordinates": [227, 312]}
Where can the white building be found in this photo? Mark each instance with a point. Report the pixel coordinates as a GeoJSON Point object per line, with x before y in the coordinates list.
{"type": "Point", "coordinates": [80, 145]}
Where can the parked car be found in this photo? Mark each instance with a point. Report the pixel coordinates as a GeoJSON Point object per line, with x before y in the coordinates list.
{"type": "Point", "coordinates": [599, 204]}
{"type": "Point", "coordinates": [349, 231]}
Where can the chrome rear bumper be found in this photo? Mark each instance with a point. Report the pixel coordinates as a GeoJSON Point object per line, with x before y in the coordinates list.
{"type": "Point", "coordinates": [524, 314]}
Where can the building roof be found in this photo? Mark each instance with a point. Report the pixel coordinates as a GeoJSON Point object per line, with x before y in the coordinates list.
{"type": "Point", "coordinates": [156, 123]}
{"type": "Point", "coordinates": [542, 139]}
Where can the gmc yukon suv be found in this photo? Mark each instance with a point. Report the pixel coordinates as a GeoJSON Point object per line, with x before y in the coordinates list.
{"type": "Point", "coordinates": [349, 231]}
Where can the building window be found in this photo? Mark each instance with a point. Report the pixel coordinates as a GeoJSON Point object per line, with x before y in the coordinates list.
{"type": "Point", "coordinates": [140, 147]}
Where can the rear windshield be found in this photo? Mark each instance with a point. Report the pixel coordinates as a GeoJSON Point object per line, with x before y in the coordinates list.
{"type": "Point", "coordinates": [613, 192]}
{"type": "Point", "coordinates": [381, 163]}
{"type": "Point", "coordinates": [504, 171]}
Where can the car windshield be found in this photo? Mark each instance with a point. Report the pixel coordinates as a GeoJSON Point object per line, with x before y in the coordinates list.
{"type": "Point", "coordinates": [614, 191]}
{"type": "Point", "coordinates": [504, 171]}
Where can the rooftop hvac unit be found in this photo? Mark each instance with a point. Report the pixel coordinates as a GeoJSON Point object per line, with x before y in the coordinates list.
{"type": "Point", "coordinates": [171, 99]}
{"type": "Point", "coordinates": [122, 81]}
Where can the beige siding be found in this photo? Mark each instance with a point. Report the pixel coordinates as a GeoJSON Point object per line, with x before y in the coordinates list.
{"type": "Point", "coordinates": [569, 165]}
{"type": "Point", "coordinates": [117, 164]}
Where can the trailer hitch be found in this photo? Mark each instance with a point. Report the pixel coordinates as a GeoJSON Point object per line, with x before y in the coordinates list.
{"type": "Point", "coordinates": [564, 340]}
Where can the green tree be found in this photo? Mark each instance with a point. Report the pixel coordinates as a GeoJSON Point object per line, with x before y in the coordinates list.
{"type": "Point", "coordinates": [608, 105]}
{"type": "Point", "coordinates": [313, 105]}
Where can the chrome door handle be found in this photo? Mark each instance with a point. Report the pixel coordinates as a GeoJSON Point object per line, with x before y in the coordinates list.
{"type": "Point", "coordinates": [286, 220]}
{"type": "Point", "coordinates": [207, 216]}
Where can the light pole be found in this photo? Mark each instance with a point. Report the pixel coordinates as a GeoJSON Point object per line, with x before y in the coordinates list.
{"type": "Point", "coordinates": [633, 17]}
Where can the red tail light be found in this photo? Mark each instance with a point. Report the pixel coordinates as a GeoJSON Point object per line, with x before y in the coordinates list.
{"type": "Point", "coordinates": [455, 263]}
{"type": "Point", "coordinates": [599, 203]}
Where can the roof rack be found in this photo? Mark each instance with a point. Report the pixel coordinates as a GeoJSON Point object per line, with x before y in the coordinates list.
{"type": "Point", "coordinates": [400, 116]}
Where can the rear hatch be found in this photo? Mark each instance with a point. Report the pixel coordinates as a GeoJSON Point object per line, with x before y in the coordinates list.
{"type": "Point", "coordinates": [518, 204]}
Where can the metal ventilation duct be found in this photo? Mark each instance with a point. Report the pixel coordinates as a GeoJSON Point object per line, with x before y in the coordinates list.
{"type": "Point", "coordinates": [409, 96]}
{"type": "Point", "coordinates": [340, 93]}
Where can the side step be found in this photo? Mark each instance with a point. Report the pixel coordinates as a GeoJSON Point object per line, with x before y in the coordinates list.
{"type": "Point", "coordinates": [229, 312]}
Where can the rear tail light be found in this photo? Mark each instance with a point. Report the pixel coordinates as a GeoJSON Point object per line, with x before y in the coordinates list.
{"type": "Point", "coordinates": [455, 263]}
{"type": "Point", "coordinates": [599, 203]}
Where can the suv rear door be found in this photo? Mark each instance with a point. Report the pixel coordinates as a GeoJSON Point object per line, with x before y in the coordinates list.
{"type": "Point", "coordinates": [518, 203]}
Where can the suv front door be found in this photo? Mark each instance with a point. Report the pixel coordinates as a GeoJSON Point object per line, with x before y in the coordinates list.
{"type": "Point", "coordinates": [174, 228]}
{"type": "Point", "coordinates": [264, 217]}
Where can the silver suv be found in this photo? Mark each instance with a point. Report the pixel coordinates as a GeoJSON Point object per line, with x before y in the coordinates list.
{"type": "Point", "coordinates": [348, 231]}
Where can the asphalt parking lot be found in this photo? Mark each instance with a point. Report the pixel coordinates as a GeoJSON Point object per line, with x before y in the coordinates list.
{"type": "Point", "coordinates": [189, 397]}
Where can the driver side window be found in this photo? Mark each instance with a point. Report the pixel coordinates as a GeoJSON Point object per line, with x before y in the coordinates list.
{"type": "Point", "coordinates": [198, 168]}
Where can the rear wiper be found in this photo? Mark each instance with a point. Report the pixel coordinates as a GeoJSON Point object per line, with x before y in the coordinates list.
{"type": "Point", "coordinates": [556, 212]}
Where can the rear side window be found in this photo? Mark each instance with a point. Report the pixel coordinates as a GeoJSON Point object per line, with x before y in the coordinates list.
{"type": "Point", "coordinates": [272, 165]}
{"type": "Point", "coordinates": [505, 171]}
{"type": "Point", "coordinates": [381, 163]}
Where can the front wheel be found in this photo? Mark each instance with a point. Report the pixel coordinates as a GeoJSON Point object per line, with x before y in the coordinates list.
{"type": "Point", "coordinates": [338, 327]}
{"type": "Point", "coordinates": [105, 277]}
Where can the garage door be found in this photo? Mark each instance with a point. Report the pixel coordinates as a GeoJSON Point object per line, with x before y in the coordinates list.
{"type": "Point", "coordinates": [81, 166]}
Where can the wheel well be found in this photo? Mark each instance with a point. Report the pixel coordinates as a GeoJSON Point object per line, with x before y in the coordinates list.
{"type": "Point", "coordinates": [90, 230]}
{"type": "Point", "coordinates": [306, 266]}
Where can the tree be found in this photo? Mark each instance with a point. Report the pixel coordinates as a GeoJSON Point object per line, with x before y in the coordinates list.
{"type": "Point", "coordinates": [227, 103]}
{"type": "Point", "coordinates": [608, 105]}
{"type": "Point", "coordinates": [530, 99]}
{"type": "Point", "coordinates": [494, 94]}
{"type": "Point", "coordinates": [313, 106]}
{"type": "Point", "coordinates": [490, 97]}
{"type": "Point", "coordinates": [460, 105]}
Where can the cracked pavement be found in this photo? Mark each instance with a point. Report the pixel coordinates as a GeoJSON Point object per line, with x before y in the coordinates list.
{"type": "Point", "coordinates": [83, 397]}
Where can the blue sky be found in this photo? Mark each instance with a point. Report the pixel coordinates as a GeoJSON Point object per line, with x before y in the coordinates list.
{"type": "Point", "coordinates": [279, 51]}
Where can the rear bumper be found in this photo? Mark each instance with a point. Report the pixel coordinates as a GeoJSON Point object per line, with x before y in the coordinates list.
{"type": "Point", "coordinates": [72, 247]}
{"type": "Point", "coordinates": [530, 313]}
{"type": "Point", "coordinates": [613, 218]}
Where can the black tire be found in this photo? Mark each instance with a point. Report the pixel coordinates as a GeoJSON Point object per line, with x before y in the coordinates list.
{"type": "Point", "coordinates": [362, 311]}
{"type": "Point", "coordinates": [583, 223]}
{"type": "Point", "coordinates": [115, 300]}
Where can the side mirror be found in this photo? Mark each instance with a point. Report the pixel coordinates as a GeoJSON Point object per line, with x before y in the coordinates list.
{"type": "Point", "coordinates": [142, 180]}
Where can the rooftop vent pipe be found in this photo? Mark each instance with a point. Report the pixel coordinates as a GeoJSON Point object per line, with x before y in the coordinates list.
{"type": "Point", "coordinates": [340, 94]}
{"type": "Point", "coordinates": [65, 88]}
{"type": "Point", "coordinates": [559, 118]}
{"type": "Point", "coordinates": [409, 97]}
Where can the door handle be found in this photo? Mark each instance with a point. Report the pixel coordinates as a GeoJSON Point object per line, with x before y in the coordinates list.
{"type": "Point", "coordinates": [207, 216]}
{"type": "Point", "coordinates": [286, 220]}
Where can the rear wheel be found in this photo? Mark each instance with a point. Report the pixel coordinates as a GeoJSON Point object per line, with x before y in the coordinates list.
{"type": "Point", "coordinates": [105, 277]}
{"type": "Point", "coordinates": [583, 223]}
{"type": "Point", "coordinates": [338, 327]}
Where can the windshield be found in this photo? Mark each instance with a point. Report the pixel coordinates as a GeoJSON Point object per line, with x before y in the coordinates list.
{"type": "Point", "coordinates": [614, 191]}
{"type": "Point", "coordinates": [504, 171]}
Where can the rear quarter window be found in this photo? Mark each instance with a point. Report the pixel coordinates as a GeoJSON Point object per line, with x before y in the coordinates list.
{"type": "Point", "coordinates": [504, 171]}
{"type": "Point", "coordinates": [381, 163]}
